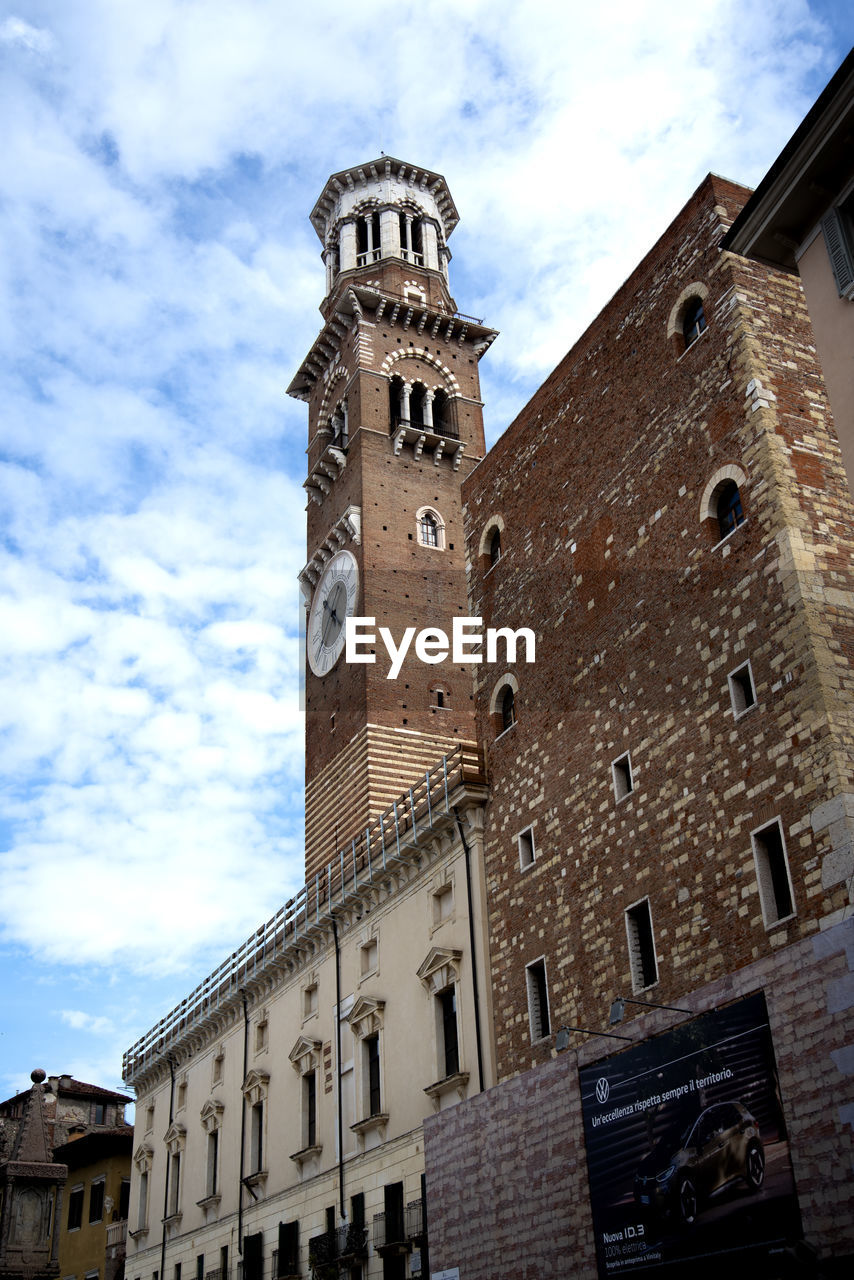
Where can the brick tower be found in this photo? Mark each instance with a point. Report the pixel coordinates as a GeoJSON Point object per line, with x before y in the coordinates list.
{"type": "Point", "coordinates": [395, 425]}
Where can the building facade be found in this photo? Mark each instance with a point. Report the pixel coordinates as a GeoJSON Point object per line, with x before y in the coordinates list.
{"type": "Point", "coordinates": [671, 811]}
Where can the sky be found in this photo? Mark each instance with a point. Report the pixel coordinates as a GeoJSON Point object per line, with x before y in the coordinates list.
{"type": "Point", "coordinates": [160, 285]}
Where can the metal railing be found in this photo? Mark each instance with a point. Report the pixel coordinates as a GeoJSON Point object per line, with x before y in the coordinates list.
{"type": "Point", "coordinates": [386, 841]}
{"type": "Point", "coordinates": [445, 429]}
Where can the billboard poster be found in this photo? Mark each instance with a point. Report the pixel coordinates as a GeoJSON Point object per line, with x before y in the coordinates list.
{"type": "Point", "coordinates": [687, 1153]}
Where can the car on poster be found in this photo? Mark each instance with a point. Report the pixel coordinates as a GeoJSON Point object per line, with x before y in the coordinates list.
{"type": "Point", "coordinates": [686, 1144]}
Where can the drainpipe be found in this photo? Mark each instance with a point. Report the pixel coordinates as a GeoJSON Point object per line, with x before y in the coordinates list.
{"type": "Point", "coordinates": [467, 853]}
{"type": "Point", "coordinates": [171, 1062]}
{"type": "Point", "coordinates": [338, 1059]}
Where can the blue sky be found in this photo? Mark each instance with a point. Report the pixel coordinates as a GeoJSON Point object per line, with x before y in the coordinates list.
{"type": "Point", "coordinates": [160, 284]}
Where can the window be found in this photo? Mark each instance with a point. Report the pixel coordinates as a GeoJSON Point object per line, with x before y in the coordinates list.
{"type": "Point", "coordinates": [494, 547]}
{"type": "Point", "coordinates": [369, 957]}
{"type": "Point", "coordinates": [75, 1208]}
{"type": "Point", "coordinates": [367, 239]}
{"type": "Point", "coordinates": [253, 1256]}
{"type": "Point", "coordinates": [411, 244]}
{"type": "Point", "coordinates": [256, 1138]}
{"type": "Point", "coordinates": [309, 1095]}
{"type": "Point", "coordinates": [538, 1000]}
{"type": "Point", "coordinates": [309, 1001]}
{"type": "Point", "coordinates": [261, 1034]}
{"type": "Point", "coordinates": [371, 1050]}
{"type": "Point", "coordinates": [728, 508]}
{"type": "Point", "coordinates": [200, 1266]}
{"type": "Point", "coordinates": [837, 227]}
{"type": "Point", "coordinates": [443, 904]}
{"type": "Point", "coordinates": [508, 708]}
{"type": "Point", "coordinates": [393, 1205]}
{"type": "Point", "coordinates": [693, 321]}
{"type": "Point", "coordinates": [223, 1262]}
{"type": "Point", "coordinates": [287, 1260]}
{"type": "Point", "coordinates": [176, 1274]}
{"type": "Point", "coordinates": [149, 1119]}
{"type": "Point", "coordinates": [428, 530]}
{"type": "Point", "coordinates": [174, 1200]}
{"type": "Point", "coordinates": [772, 874]}
{"type": "Point", "coordinates": [450, 1039]}
{"type": "Point", "coordinates": [527, 852]}
{"type": "Point", "coordinates": [641, 946]}
{"type": "Point", "coordinates": [212, 1167]}
{"type": "Point", "coordinates": [216, 1073]}
{"type": "Point", "coordinates": [99, 1113]}
{"type": "Point", "coordinates": [96, 1201]}
{"type": "Point", "coordinates": [621, 772]}
{"type": "Point", "coordinates": [124, 1200]}
{"type": "Point", "coordinates": [741, 690]}
{"type": "Point", "coordinates": [502, 705]}
{"type": "Point", "coordinates": [181, 1098]}
{"type": "Point", "coordinates": [142, 1203]}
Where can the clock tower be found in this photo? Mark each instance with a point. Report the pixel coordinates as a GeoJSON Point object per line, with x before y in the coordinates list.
{"type": "Point", "coordinates": [394, 425]}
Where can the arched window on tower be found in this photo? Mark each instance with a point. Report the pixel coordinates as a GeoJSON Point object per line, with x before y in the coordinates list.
{"type": "Point", "coordinates": [428, 530]}
{"type": "Point", "coordinates": [502, 704]}
{"type": "Point", "coordinates": [367, 239]}
{"type": "Point", "coordinates": [693, 322]}
{"type": "Point", "coordinates": [507, 707]}
{"type": "Point", "coordinates": [395, 402]}
{"type": "Point", "coordinates": [416, 405]}
{"type": "Point", "coordinates": [728, 507]}
{"type": "Point", "coordinates": [443, 417]}
{"type": "Point", "coordinates": [411, 239]}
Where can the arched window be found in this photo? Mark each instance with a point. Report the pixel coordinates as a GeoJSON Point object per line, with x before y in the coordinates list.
{"type": "Point", "coordinates": [494, 551]}
{"type": "Point", "coordinates": [428, 530]}
{"type": "Point", "coordinates": [411, 240]}
{"type": "Point", "coordinates": [502, 704]}
{"type": "Point", "coordinates": [729, 510]}
{"type": "Point", "coordinates": [693, 321]}
{"type": "Point", "coordinates": [416, 405]}
{"type": "Point", "coordinates": [443, 423]}
{"type": "Point", "coordinates": [367, 239]}
{"type": "Point", "coordinates": [395, 402]}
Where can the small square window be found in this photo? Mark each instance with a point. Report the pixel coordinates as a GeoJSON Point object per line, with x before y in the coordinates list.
{"type": "Point", "coordinates": [621, 772]}
{"type": "Point", "coordinates": [538, 1000]}
{"type": "Point", "coordinates": [527, 852]}
{"type": "Point", "coordinates": [642, 959]}
{"type": "Point", "coordinates": [772, 874]}
{"type": "Point", "coordinates": [216, 1073]}
{"type": "Point", "coordinates": [181, 1096]}
{"type": "Point", "coordinates": [309, 1001]}
{"type": "Point", "coordinates": [369, 957]}
{"type": "Point", "coordinates": [741, 690]}
{"type": "Point", "coordinates": [149, 1119]}
{"type": "Point", "coordinates": [261, 1035]}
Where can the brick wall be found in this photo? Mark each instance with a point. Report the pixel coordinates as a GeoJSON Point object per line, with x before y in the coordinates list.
{"type": "Point", "coordinates": [506, 1171]}
{"type": "Point", "coordinates": [641, 613]}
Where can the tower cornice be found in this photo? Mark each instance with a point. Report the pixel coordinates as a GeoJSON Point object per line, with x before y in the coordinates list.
{"type": "Point", "coordinates": [364, 176]}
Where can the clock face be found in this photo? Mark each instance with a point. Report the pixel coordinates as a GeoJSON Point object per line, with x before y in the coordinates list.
{"type": "Point", "coordinates": [334, 601]}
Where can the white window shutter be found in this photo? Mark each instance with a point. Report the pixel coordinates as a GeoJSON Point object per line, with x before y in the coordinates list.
{"type": "Point", "coordinates": [838, 250]}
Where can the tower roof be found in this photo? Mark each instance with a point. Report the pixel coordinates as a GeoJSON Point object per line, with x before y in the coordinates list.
{"type": "Point", "coordinates": [375, 172]}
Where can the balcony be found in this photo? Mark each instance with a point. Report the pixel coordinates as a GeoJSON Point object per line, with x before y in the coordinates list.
{"type": "Point", "coordinates": [338, 1249]}
{"type": "Point", "coordinates": [117, 1234]}
{"type": "Point", "coordinates": [390, 1233]}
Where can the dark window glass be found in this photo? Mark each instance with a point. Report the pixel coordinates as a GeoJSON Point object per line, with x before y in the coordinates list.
{"type": "Point", "coordinates": [429, 530]}
{"type": "Point", "coordinates": [508, 708]}
{"type": "Point", "coordinates": [448, 1003]}
{"type": "Point", "coordinates": [730, 513]}
{"type": "Point", "coordinates": [694, 322]}
{"type": "Point", "coordinates": [310, 1109]}
{"type": "Point", "coordinates": [75, 1209]}
{"type": "Point", "coordinates": [96, 1202]}
{"type": "Point", "coordinates": [495, 547]}
{"type": "Point", "coordinates": [372, 1048]}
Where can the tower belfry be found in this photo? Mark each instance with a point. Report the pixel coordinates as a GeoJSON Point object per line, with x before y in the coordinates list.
{"type": "Point", "coordinates": [395, 425]}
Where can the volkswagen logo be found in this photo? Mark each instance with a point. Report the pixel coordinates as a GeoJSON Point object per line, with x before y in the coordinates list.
{"type": "Point", "coordinates": [602, 1090]}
